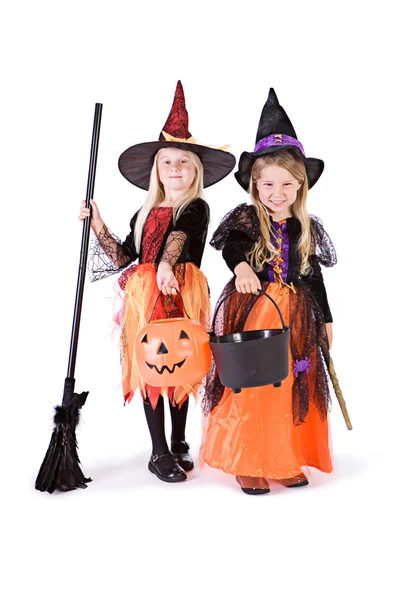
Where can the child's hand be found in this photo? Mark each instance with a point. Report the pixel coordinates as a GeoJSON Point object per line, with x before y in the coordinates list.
{"type": "Point", "coordinates": [96, 222]}
{"type": "Point", "coordinates": [246, 281]}
{"type": "Point", "coordinates": [329, 333]}
{"type": "Point", "coordinates": [85, 212]}
{"type": "Point", "coordinates": [166, 280]}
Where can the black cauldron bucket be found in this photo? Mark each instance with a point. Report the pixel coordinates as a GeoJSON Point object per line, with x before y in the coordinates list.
{"type": "Point", "coordinates": [251, 358]}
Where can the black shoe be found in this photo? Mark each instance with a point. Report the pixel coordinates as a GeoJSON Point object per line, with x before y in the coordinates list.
{"type": "Point", "coordinates": [293, 482]}
{"type": "Point", "coordinates": [244, 481]}
{"type": "Point", "coordinates": [255, 491]}
{"type": "Point", "coordinates": [166, 468]}
{"type": "Point", "coordinates": [180, 450]}
{"type": "Point", "coordinates": [299, 484]}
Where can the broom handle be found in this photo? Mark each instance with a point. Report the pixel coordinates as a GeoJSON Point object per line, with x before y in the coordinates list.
{"type": "Point", "coordinates": [339, 394]}
{"type": "Point", "coordinates": [69, 382]}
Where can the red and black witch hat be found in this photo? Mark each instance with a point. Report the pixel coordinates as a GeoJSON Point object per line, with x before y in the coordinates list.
{"type": "Point", "coordinates": [137, 161]}
{"type": "Point", "coordinates": [275, 133]}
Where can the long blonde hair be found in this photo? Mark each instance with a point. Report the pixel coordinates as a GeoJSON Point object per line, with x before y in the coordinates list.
{"type": "Point", "coordinates": [156, 195]}
{"type": "Point", "coordinates": [263, 250]}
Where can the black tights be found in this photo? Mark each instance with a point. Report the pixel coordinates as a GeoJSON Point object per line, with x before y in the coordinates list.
{"type": "Point", "coordinates": [155, 422]}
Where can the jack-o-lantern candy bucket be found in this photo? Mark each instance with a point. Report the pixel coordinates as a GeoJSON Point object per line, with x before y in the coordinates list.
{"type": "Point", "coordinates": [172, 352]}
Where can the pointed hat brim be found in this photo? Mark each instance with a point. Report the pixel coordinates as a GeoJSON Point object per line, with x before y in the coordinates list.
{"type": "Point", "coordinates": [314, 166]}
{"type": "Point", "coordinates": [137, 161]}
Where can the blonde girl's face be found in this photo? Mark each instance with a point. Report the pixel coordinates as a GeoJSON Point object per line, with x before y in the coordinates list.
{"type": "Point", "coordinates": [277, 190]}
{"type": "Point", "coordinates": [175, 169]}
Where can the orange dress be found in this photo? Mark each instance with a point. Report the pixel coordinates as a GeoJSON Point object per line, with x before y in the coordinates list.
{"type": "Point", "coordinates": [143, 301]}
{"type": "Point", "coordinates": [252, 433]}
{"type": "Point", "coordinates": [267, 431]}
{"type": "Point", "coordinates": [139, 297]}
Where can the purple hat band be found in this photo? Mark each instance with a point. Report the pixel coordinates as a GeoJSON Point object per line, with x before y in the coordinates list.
{"type": "Point", "coordinates": [278, 139]}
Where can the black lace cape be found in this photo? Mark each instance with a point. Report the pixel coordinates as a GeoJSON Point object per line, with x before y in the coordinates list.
{"type": "Point", "coordinates": [240, 229]}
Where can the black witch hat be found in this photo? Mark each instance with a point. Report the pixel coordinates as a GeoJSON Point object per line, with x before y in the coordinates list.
{"type": "Point", "coordinates": [137, 161]}
{"type": "Point", "coordinates": [275, 133]}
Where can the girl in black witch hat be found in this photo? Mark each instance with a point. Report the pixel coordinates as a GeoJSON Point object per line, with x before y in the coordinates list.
{"type": "Point", "coordinates": [167, 235]}
{"type": "Point", "coordinates": [270, 433]}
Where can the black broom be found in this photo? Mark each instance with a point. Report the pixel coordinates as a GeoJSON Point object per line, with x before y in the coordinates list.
{"type": "Point", "coordinates": [61, 469]}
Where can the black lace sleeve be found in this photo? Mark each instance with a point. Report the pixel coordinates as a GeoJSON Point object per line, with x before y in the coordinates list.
{"type": "Point", "coordinates": [191, 224]}
{"type": "Point", "coordinates": [322, 245]}
{"type": "Point", "coordinates": [315, 281]}
{"type": "Point", "coordinates": [322, 253]}
{"type": "Point", "coordinates": [242, 219]}
{"type": "Point", "coordinates": [109, 255]}
{"type": "Point", "coordinates": [173, 247]}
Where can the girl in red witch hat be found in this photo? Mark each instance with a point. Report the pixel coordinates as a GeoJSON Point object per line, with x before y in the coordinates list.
{"type": "Point", "coordinates": [273, 244]}
{"type": "Point", "coordinates": [167, 236]}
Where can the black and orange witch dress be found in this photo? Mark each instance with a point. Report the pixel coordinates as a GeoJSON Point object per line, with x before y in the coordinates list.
{"type": "Point", "coordinates": [267, 431]}
{"type": "Point", "coordinates": [138, 287]}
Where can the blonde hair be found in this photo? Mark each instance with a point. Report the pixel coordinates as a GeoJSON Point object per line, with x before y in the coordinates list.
{"type": "Point", "coordinates": [263, 250]}
{"type": "Point", "coordinates": [156, 195]}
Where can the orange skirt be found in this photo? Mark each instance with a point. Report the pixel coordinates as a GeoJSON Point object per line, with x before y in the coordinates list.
{"type": "Point", "coordinates": [252, 433]}
{"type": "Point", "coordinates": [140, 299]}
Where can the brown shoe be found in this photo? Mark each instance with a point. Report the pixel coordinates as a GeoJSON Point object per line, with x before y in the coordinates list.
{"type": "Point", "coordinates": [253, 486]}
{"type": "Point", "coordinates": [296, 481]}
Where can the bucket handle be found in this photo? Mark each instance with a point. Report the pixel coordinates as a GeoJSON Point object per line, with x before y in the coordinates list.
{"type": "Point", "coordinates": [232, 292]}
{"type": "Point", "coordinates": [158, 297]}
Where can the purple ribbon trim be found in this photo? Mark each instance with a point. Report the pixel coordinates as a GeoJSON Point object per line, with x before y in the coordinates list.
{"type": "Point", "coordinates": [284, 252]}
{"type": "Point", "coordinates": [278, 139]}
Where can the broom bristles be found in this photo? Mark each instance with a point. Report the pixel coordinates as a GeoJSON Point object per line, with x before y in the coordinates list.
{"type": "Point", "coordinates": [61, 469]}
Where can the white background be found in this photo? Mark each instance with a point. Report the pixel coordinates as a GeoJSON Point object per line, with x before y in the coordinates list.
{"type": "Point", "coordinates": [129, 535]}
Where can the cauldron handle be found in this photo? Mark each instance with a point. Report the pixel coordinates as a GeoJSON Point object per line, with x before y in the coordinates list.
{"type": "Point", "coordinates": [158, 297]}
{"type": "Point", "coordinates": [232, 292]}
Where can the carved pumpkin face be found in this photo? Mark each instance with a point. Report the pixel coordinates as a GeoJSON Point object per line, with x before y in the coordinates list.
{"type": "Point", "coordinates": [171, 352]}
